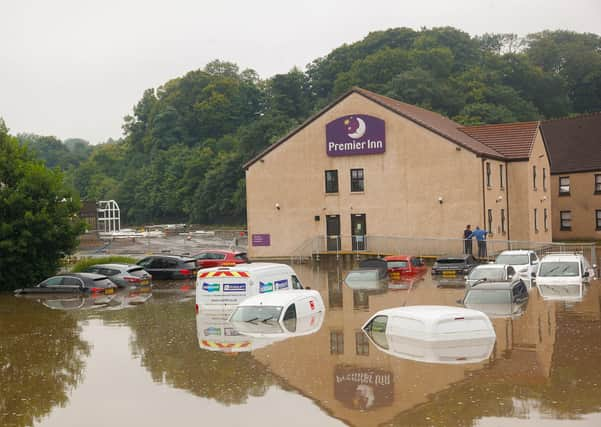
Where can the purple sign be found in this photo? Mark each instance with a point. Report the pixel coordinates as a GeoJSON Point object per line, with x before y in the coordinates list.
{"type": "Point", "coordinates": [355, 134]}
{"type": "Point", "coordinates": [261, 240]}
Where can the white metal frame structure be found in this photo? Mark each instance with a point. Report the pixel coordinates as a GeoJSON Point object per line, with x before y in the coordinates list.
{"type": "Point", "coordinates": [109, 216]}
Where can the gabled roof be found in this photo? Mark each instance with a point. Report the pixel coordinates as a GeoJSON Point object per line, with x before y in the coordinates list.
{"type": "Point", "coordinates": [573, 144]}
{"type": "Point", "coordinates": [430, 120]}
{"type": "Point", "coordinates": [512, 140]}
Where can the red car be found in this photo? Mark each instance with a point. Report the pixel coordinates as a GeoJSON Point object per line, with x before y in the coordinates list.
{"type": "Point", "coordinates": [217, 257]}
{"type": "Point", "coordinates": [404, 265]}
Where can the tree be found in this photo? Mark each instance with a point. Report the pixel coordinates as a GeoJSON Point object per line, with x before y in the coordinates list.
{"type": "Point", "coordinates": [38, 217]}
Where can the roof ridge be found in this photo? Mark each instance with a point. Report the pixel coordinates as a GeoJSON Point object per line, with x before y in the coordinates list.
{"type": "Point", "coordinates": [579, 116]}
{"type": "Point", "coordinates": [499, 124]}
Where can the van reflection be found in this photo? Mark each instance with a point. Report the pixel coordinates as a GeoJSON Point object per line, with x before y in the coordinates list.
{"type": "Point", "coordinates": [571, 292]}
{"type": "Point", "coordinates": [363, 388]}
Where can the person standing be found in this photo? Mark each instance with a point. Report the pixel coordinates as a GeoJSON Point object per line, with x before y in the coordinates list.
{"type": "Point", "coordinates": [480, 236]}
{"type": "Point", "coordinates": [467, 240]}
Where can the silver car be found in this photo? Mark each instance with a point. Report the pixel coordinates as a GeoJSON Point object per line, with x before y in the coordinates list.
{"type": "Point", "coordinates": [122, 275]}
{"type": "Point", "coordinates": [490, 273]}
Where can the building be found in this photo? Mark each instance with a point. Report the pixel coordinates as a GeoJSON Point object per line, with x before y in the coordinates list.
{"type": "Point", "coordinates": [574, 147]}
{"type": "Point", "coordinates": [368, 166]}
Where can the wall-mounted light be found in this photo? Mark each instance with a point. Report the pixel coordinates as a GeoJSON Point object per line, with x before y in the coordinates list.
{"type": "Point", "coordinates": [277, 206]}
{"type": "Point", "coordinates": [440, 199]}
{"type": "Point", "coordinates": [543, 199]}
{"type": "Point", "coordinates": [499, 199]}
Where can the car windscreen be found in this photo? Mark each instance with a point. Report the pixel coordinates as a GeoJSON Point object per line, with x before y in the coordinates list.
{"type": "Point", "coordinates": [487, 273]}
{"type": "Point", "coordinates": [559, 269]}
{"type": "Point", "coordinates": [398, 264]}
{"type": "Point", "coordinates": [488, 296]}
{"type": "Point", "coordinates": [362, 275]}
{"type": "Point", "coordinates": [136, 271]}
{"type": "Point", "coordinates": [513, 259]}
{"type": "Point", "coordinates": [450, 261]}
{"type": "Point", "coordinates": [257, 313]}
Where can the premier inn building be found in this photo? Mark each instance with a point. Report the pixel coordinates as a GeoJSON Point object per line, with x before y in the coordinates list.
{"type": "Point", "coordinates": [368, 166]}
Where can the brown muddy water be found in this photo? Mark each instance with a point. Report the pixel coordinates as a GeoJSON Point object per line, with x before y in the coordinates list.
{"type": "Point", "coordinates": [148, 360]}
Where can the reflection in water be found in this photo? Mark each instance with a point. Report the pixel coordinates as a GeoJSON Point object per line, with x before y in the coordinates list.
{"type": "Point", "coordinates": [41, 360]}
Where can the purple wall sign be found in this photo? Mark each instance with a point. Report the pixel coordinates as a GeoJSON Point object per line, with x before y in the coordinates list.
{"type": "Point", "coordinates": [354, 135]}
{"type": "Point", "coordinates": [261, 240]}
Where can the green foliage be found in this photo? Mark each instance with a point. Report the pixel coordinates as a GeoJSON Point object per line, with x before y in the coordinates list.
{"type": "Point", "coordinates": [38, 222]}
{"type": "Point", "coordinates": [84, 263]}
{"type": "Point", "coordinates": [186, 141]}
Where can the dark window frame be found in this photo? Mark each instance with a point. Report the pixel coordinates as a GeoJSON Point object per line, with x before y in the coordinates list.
{"type": "Point", "coordinates": [546, 219]}
{"type": "Point", "coordinates": [501, 177]}
{"type": "Point", "coordinates": [534, 177]}
{"type": "Point", "coordinates": [503, 221]}
{"type": "Point", "coordinates": [331, 184]}
{"type": "Point", "coordinates": [488, 175]}
{"type": "Point", "coordinates": [568, 221]}
{"type": "Point", "coordinates": [536, 220]}
{"type": "Point", "coordinates": [489, 220]}
{"type": "Point", "coordinates": [565, 192]}
{"type": "Point", "coordinates": [336, 342]}
{"type": "Point", "coordinates": [361, 344]}
{"type": "Point", "coordinates": [597, 219]}
{"type": "Point", "coordinates": [357, 180]}
{"type": "Point", "coordinates": [544, 179]}
{"type": "Point", "coordinates": [597, 183]}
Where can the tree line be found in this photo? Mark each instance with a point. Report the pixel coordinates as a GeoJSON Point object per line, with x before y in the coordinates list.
{"type": "Point", "coordinates": [185, 142]}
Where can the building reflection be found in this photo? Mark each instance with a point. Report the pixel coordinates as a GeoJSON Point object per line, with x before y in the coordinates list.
{"type": "Point", "coordinates": [357, 383]}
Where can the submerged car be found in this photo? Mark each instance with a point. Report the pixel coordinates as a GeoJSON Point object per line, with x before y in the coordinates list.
{"type": "Point", "coordinates": [432, 334]}
{"type": "Point", "coordinates": [72, 283]}
{"type": "Point", "coordinates": [169, 267]}
{"type": "Point", "coordinates": [122, 275]}
{"type": "Point", "coordinates": [525, 262]}
{"type": "Point", "coordinates": [485, 292]}
{"type": "Point", "coordinates": [404, 265]}
{"type": "Point", "coordinates": [216, 257]}
{"type": "Point", "coordinates": [564, 269]}
{"type": "Point", "coordinates": [371, 274]}
{"type": "Point", "coordinates": [490, 273]}
{"type": "Point", "coordinates": [452, 266]}
{"type": "Point", "coordinates": [280, 314]}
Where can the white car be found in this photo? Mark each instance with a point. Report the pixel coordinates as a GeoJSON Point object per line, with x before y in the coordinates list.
{"type": "Point", "coordinates": [564, 269]}
{"type": "Point", "coordinates": [525, 262]}
{"type": "Point", "coordinates": [490, 273]}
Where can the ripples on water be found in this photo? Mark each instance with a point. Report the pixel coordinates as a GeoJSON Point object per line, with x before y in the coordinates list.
{"type": "Point", "coordinates": [144, 358]}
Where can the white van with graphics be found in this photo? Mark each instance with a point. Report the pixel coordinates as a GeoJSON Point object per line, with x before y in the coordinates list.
{"type": "Point", "coordinates": [225, 287]}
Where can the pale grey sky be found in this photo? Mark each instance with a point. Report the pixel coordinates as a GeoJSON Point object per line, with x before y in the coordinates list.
{"type": "Point", "coordinates": [74, 68]}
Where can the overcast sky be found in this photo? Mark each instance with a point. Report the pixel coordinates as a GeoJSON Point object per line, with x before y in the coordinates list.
{"type": "Point", "coordinates": [74, 68]}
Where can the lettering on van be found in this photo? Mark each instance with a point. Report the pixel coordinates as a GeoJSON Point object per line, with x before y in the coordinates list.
{"type": "Point", "coordinates": [211, 287]}
{"type": "Point", "coordinates": [265, 287]}
{"type": "Point", "coordinates": [281, 284]}
{"type": "Point", "coordinates": [234, 287]}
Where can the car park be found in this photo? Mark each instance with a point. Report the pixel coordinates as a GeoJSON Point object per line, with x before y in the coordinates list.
{"type": "Point", "coordinates": [404, 265]}
{"type": "Point", "coordinates": [433, 334]}
{"type": "Point", "coordinates": [72, 283]}
{"type": "Point", "coordinates": [280, 315]}
{"type": "Point", "coordinates": [122, 275]}
{"type": "Point", "coordinates": [564, 269]}
{"type": "Point", "coordinates": [490, 273]}
{"type": "Point", "coordinates": [216, 257]}
{"type": "Point", "coordinates": [452, 266]}
{"type": "Point", "coordinates": [226, 287]}
{"type": "Point", "coordinates": [525, 262]}
{"type": "Point", "coordinates": [169, 267]}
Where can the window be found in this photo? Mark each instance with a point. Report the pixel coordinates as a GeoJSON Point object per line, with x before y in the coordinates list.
{"type": "Point", "coordinates": [598, 219]}
{"type": "Point", "coordinates": [564, 185]}
{"type": "Point", "coordinates": [501, 177]}
{"type": "Point", "coordinates": [53, 281]}
{"type": "Point", "coordinates": [488, 177]}
{"type": "Point", "coordinates": [598, 183]}
{"type": "Point", "coordinates": [332, 181]}
{"type": "Point", "coordinates": [289, 319]}
{"type": "Point", "coordinates": [544, 179]}
{"type": "Point", "coordinates": [565, 220]}
{"type": "Point", "coordinates": [535, 219]}
{"type": "Point", "coordinates": [336, 342]}
{"type": "Point", "coordinates": [503, 221]}
{"type": "Point", "coordinates": [490, 220]}
{"type": "Point", "coordinates": [357, 182]}
{"type": "Point", "coordinates": [361, 344]}
{"type": "Point", "coordinates": [534, 177]}
{"type": "Point", "coordinates": [545, 219]}
{"type": "Point", "coordinates": [72, 282]}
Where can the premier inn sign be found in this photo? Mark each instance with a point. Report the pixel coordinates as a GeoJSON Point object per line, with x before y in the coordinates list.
{"type": "Point", "coordinates": [355, 135]}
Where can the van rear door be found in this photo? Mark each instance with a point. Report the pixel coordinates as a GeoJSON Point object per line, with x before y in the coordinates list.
{"type": "Point", "coordinates": [223, 287]}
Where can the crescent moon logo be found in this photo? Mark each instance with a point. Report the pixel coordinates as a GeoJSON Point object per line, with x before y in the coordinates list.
{"type": "Point", "coordinates": [360, 131]}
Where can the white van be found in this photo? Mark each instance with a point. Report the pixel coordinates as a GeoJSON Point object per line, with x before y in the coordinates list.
{"type": "Point", "coordinates": [564, 269]}
{"type": "Point", "coordinates": [226, 287]}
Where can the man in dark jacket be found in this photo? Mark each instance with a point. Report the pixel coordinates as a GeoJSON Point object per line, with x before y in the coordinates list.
{"type": "Point", "coordinates": [467, 240]}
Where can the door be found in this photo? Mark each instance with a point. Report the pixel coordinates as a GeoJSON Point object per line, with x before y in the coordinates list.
{"type": "Point", "coordinates": [358, 231]}
{"type": "Point", "coordinates": [333, 232]}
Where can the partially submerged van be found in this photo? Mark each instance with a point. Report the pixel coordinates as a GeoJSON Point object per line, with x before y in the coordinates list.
{"type": "Point", "coordinates": [226, 287]}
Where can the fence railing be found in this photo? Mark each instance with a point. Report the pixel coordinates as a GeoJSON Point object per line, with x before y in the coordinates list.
{"type": "Point", "coordinates": [427, 246]}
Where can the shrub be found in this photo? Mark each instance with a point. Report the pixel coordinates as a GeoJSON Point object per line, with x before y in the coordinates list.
{"type": "Point", "coordinates": [116, 259]}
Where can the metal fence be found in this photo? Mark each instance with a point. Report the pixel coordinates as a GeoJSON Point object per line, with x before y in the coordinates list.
{"type": "Point", "coordinates": [427, 247]}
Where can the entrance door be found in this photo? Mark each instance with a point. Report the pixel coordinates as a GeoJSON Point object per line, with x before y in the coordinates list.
{"type": "Point", "coordinates": [333, 232]}
{"type": "Point", "coordinates": [358, 231]}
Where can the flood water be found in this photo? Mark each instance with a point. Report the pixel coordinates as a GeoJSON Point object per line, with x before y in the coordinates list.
{"type": "Point", "coordinates": [148, 360]}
